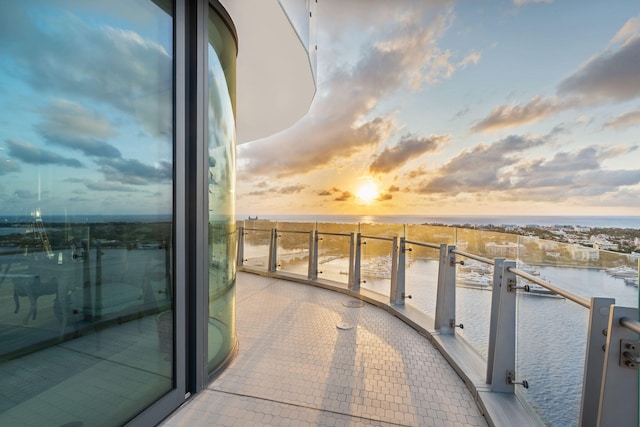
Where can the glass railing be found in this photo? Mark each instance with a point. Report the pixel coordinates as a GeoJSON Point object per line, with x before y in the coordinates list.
{"type": "Point", "coordinates": [293, 251]}
{"type": "Point", "coordinates": [519, 302]}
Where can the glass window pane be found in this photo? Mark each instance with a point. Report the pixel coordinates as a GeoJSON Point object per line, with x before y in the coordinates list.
{"type": "Point", "coordinates": [86, 210]}
{"type": "Point", "coordinates": [222, 226]}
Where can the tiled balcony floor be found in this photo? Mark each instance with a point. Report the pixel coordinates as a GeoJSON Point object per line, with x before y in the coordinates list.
{"type": "Point", "coordinates": [295, 367]}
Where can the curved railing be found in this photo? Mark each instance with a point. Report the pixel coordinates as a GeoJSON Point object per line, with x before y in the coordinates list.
{"type": "Point", "coordinates": [609, 394]}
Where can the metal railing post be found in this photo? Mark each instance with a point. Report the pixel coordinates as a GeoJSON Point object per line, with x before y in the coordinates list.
{"type": "Point", "coordinates": [594, 360]}
{"type": "Point", "coordinates": [619, 391]}
{"type": "Point", "coordinates": [398, 294]}
{"type": "Point", "coordinates": [394, 272]}
{"type": "Point", "coordinates": [273, 250]}
{"type": "Point", "coordinates": [445, 320]}
{"type": "Point", "coordinates": [355, 286]}
{"type": "Point", "coordinates": [240, 260]}
{"type": "Point", "coordinates": [498, 267]}
{"type": "Point", "coordinates": [312, 273]}
{"type": "Point", "coordinates": [352, 257]}
{"type": "Point", "coordinates": [504, 358]}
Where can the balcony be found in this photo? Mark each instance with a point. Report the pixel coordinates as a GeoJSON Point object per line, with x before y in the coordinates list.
{"type": "Point", "coordinates": [435, 343]}
{"type": "Point", "coordinates": [310, 356]}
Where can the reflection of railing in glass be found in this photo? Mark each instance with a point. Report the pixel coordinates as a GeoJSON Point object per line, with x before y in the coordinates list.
{"type": "Point", "coordinates": [491, 321]}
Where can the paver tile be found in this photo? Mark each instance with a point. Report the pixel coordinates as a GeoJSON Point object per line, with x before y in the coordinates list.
{"type": "Point", "coordinates": [295, 367]}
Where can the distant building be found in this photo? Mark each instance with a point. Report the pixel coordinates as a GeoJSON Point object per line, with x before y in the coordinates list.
{"type": "Point", "coordinates": [582, 253]}
{"type": "Point", "coordinates": [605, 245]}
{"type": "Point", "coordinates": [547, 245]}
{"type": "Point", "coordinates": [506, 250]}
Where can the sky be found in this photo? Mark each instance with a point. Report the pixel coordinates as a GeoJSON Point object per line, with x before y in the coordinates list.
{"type": "Point", "coordinates": [522, 107]}
{"type": "Point", "coordinates": [86, 108]}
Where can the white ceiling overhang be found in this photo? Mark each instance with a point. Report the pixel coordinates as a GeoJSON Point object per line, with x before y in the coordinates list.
{"type": "Point", "coordinates": [275, 71]}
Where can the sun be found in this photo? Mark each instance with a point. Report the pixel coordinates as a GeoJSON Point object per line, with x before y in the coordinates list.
{"type": "Point", "coordinates": [368, 192]}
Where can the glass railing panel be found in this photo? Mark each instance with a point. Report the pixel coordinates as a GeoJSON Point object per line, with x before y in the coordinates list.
{"type": "Point", "coordinates": [559, 368]}
{"type": "Point", "coordinates": [382, 230]}
{"type": "Point", "coordinates": [334, 249]}
{"type": "Point", "coordinates": [551, 339]}
{"type": "Point", "coordinates": [588, 272]}
{"type": "Point", "coordinates": [489, 244]}
{"type": "Point", "coordinates": [421, 278]}
{"type": "Point", "coordinates": [474, 285]}
{"type": "Point", "coordinates": [293, 249]}
{"type": "Point", "coordinates": [256, 245]}
{"type": "Point", "coordinates": [375, 264]}
{"type": "Point", "coordinates": [431, 234]}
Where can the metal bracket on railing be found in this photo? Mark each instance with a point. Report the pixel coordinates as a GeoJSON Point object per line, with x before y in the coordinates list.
{"type": "Point", "coordinates": [452, 324]}
{"type": "Point", "coordinates": [629, 354]}
{"type": "Point", "coordinates": [511, 379]}
{"type": "Point", "coordinates": [512, 286]}
{"type": "Point", "coordinates": [454, 262]}
{"type": "Point", "coordinates": [407, 250]}
{"type": "Point", "coordinates": [405, 296]}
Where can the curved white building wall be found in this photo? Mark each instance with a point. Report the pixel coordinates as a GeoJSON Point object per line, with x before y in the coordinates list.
{"type": "Point", "coordinates": [276, 64]}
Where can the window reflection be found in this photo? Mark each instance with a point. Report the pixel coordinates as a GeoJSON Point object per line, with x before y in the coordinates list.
{"type": "Point", "coordinates": [86, 202]}
{"type": "Point", "coordinates": [222, 238]}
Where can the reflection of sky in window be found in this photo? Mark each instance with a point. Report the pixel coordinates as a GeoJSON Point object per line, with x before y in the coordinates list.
{"type": "Point", "coordinates": [221, 140]}
{"type": "Point", "coordinates": [86, 101]}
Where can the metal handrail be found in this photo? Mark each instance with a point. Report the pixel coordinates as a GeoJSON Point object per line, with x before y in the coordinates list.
{"type": "Point", "coordinates": [630, 324]}
{"type": "Point", "coordinates": [568, 295]}
{"type": "Point", "coordinates": [293, 231]}
{"type": "Point", "coordinates": [334, 234]}
{"type": "Point", "coordinates": [475, 257]}
{"type": "Point", "coordinates": [424, 245]}
{"type": "Point", "coordinates": [386, 239]}
{"type": "Point", "coordinates": [258, 229]}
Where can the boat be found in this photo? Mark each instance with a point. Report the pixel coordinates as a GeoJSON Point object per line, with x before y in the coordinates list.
{"type": "Point", "coordinates": [622, 272]}
{"type": "Point", "coordinates": [474, 280]}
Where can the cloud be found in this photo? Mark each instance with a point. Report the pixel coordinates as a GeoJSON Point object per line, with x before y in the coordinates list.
{"type": "Point", "coordinates": [339, 123]}
{"type": "Point", "coordinates": [324, 193]}
{"type": "Point", "coordinates": [629, 31]}
{"type": "Point", "coordinates": [134, 172]}
{"type": "Point", "coordinates": [68, 124]}
{"type": "Point", "coordinates": [611, 76]}
{"type": "Point", "coordinates": [409, 147]}
{"type": "Point", "coordinates": [346, 195]}
{"type": "Point", "coordinates": [31, 154]}
{"type": "Point", "coordinates": [290, 189]}
{"type": "Point", "coordinates": [471, 58]}
{"type": "Point", "coordinates": [393, 189]}
{"type": "Point", "coordinates": [481, 167]}
{"type": "Point", "coordinates": [628, 119]}
{"type": "Point", "coordinates": [117, 67]}
{"type": "Point", "coordinates": [506, 116]}
{"type": "Point", "coordinates": [25, 194]}
{"type": "Point", "coordinates": [383, 197]}
{"type": "Point", "coordinates": [608, 77]}
{"type": "Point", "coordinates": [417, 172]}
{"type": "Point", "coordinates": [338, 16]}
{"type": "Point", "coordinates": [502, 171]}
{"type": "Point", "coordinates": [110, 186]}
{"type": "Point", "coordinates": [8, 165]}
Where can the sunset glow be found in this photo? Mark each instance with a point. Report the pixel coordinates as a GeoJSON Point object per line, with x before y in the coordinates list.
{"type": "Point", "coordinates": [458, 108]}
{"type": "Point", "coordinates": [368, 192]}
